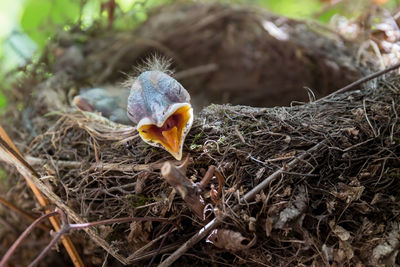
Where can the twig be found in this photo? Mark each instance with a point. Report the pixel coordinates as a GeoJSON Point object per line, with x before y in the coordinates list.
{"type": "Point", "coordinates": [246, 198]}
{"type": "Point", "coordinates": [66, 227]}
{"type": "Point", "coordinates": [142, 251]}
{"type": "Point", "coordinates": [15, 157]}
{"type": "Point", "coordinates": [221, 181]}
{"type": "Point", "coordinates": [33, 178]}
{"type": "Point", "coordinates": [369, 122]}
{"type": "Point", "coordinates": [161, 245]}
{"type": "Point", "coordinates": [188, 190]}
{"type": "Point", "coordinates": [207, 177]}
{"type": "Point", "coordinates": [17, 242]}
{"type": "Point", "coordinates": [196, 71]}
{"type": "Point", "coordinates": [104, 166]}
{"type": "Point", "coordinates": [361, 81]}
{"type": "Point", "coordinates": [236, 129]}
{"type": "Point", "coordinates": [22, 212]}
{"type": "Point", "coordinates": [148, 255]}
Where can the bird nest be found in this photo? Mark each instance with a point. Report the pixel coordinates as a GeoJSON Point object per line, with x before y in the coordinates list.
{"type": "Point", "coordinates": [310, 184]}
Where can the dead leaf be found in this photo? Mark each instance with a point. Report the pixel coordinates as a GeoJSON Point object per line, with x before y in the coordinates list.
{"type": "Point", "coordinates": [294, 211]}
{"type": "Point", "coordinates": [260, 173]}
{"type": "Point", "coordinates": [230, 240]}
{"type": "Point", "coordinates": [347, 249]}
{"type": "Point", "coordinates": [339, 231]}
{"type": "Point", "coordinates": [349, 193]}
{"type": "Point", "coordinates": [327, 252]}
{"type": "Point", "coordinates": [387, 251]}
{"type": "Point", "coordinates": [268, 226]}
{"type": "Point", "coordinates": [351, 131]}
{"type": "Point", "coordinates": [139, 232]}
{"type": "Point", "coordinates": [140, 181]}
{"type": "Point", "coordinates": [330, 206]}
{"type": "Point", "coordinates": [252, 224]}
{"type": "Point", "coordinates": [105, 230]}
{"type": "Point", "coordinates": [358, 113]}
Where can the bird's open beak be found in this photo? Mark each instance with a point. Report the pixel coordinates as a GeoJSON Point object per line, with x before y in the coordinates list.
{"type": "Point", "coordinates": [172, 133]}
{"type": "Point", "coordinates": [83, 104]}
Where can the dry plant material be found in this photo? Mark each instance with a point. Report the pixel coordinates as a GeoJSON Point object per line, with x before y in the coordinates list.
{"type": "Point", "coordinates": [22, 213]}
{"type": "Point", "coordinates": [175, 176]}
{"type": "Point", "coordinates": [189, 191]}
{"type": "Point", "coordinates": [230, 240]}
{"type": "Point", "coordinates": [10, 154]}
{"type": "Point", "coordinates": [345, 147]}
{"type": "Point", "coordinates": [65, 228]}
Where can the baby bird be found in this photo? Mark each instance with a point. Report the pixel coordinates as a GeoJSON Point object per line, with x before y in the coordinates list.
{"type": "Point", "coordinates": [109, 101]}
{"type": "Point", "coordinates": [157, 103]}
{"type": "Point", "coordinates": [161, 108]}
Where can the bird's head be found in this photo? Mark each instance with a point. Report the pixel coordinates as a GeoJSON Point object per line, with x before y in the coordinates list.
{"type": "Point", "coordinates": [161, 108]}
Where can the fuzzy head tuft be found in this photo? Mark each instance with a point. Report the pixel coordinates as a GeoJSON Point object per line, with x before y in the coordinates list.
{"type": "Point", "coordinates": [155, 62]}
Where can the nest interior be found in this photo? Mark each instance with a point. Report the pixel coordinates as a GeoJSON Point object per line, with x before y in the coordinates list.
{"type": "Point", "coordinates": [338, 205]}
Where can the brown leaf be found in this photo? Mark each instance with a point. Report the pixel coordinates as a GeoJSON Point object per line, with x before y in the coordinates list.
{"type": "Point", "coordinates": [294, 211]}
{"type": "Point", "coordinates": [327, 252]}
{"type": "Point", "coordinates": [339, 231]}
{"type": "Point", "coordinates": [347, 249]}
{"type": "Point", "coordinates": [349, 193]}
{"type": "Point", "coordinates": [388, 249]}
{"type": "Point", "coordinates": [230, 240]}
{"type": "Point", "coordinates": [351, 131]}
{"type": "Point", "coordinates": [268, 226]}
{"type": "Point", "coordinates": [139, 233]}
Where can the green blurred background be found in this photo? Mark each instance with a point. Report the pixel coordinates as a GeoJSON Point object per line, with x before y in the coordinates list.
{"type": "Point", "coordinates": [26, 25]}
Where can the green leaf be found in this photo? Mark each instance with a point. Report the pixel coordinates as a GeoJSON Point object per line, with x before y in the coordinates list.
{"type": "Point", "coordinates": [293, 8]}
{"type": "Point", "coordinates": [41, 17]}
{"type": "Point", "coordinates": [327, 15]}
{"type": "Point", "coordinates": [3, 101]}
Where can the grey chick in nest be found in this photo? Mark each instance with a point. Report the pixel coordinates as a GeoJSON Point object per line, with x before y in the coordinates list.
{"type": "Point", "coordinates": [109, 101]}
{"type": "Point", "coordinates": [157, 103]}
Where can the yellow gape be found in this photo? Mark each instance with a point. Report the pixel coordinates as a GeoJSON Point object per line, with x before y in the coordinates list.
{"type": "Point", "coordinates": [172, 133]}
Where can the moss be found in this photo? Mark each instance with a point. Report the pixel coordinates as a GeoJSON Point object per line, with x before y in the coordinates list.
{"type": "Point", "coordinates": [137, 200]}
{"type": "Point", "coordinates": [395, 175]}
{"type": "Point", "coordinates": [3, 176]}
{"type": "Point", "coordinates": [396, 139]}
{"type": "Point", "coordinates": [195, 147]}
{"type": "Point", "coordinates": [221, 140]}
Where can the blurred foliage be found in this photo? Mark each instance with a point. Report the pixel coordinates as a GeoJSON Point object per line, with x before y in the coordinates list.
{"type": "Point", "coordinates": [26, 25]}
{"type": "Point", "coordinates": [293, 8]}
{"type": "Point", "coordinates": [41, 17]}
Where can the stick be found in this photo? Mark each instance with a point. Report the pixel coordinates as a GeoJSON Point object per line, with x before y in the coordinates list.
{"type": "Point", "coordinates": [33, 178]}
{"type": "Point", "coordinates": [196, 71]}
{"type": "Point", "coordinates": [246, 198]}
{"type": "Point", "coordinates": [18, 161]}
{"type": "Point", "coordinates": [23, 235]}
{"type": "Point", "coordinates": [361, 81]}
{"type": "Point", "coordinates": [22, 212]}
{"type": "Point", "coordinates": [104, 166]}
{"type": "Point", "coordinates": [184, 186]}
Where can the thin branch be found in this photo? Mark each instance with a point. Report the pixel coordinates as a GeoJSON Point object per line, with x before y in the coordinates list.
{"type": "Point", "coordinates": [161, 245]}
{"type": "Point", "coordinates": [22, 213]}
{"type": "Point", "coordinates": [104, 166]}
{"type": "Point", "coordinates": [361, 81]}
{"type": "Point", "coordinates": [27, 231]}
{"type": "Point", "coordinates": [186, 188]}
{"type": "Point", "coordinates": [15, 158]}
{"type": "Point", "coordinates": [199, 70]}
{"type": "Point", "coordinates": [207, 177]}
{"type": "Point", "coordinates": [246, 198]}
{"type": "Point", "coordinates": [66, 227]}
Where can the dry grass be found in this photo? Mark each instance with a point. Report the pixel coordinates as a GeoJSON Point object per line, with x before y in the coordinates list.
{"type": "Point", "coordinates": [340, 205]}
